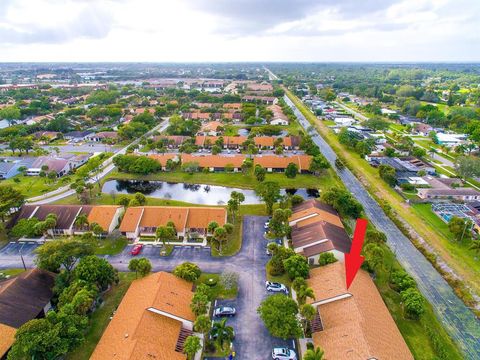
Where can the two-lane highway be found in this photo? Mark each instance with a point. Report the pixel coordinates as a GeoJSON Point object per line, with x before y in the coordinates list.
{"type": "Point", "coordinates": [458, 320]}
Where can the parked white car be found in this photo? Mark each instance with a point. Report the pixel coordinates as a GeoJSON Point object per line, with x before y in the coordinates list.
{"type": "Point", "coordinates": [283, 354]}
{"type": "Point", "coordinates": [276, 287]}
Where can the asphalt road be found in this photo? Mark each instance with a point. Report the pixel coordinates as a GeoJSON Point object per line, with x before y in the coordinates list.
{"type": "Point", "coordinates": [252, 340]}
{"type": "Point", "coordinates": [456, 317]}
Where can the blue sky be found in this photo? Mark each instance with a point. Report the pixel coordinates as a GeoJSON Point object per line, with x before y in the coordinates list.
{"type": "Point", "coordinates": [241, 30]}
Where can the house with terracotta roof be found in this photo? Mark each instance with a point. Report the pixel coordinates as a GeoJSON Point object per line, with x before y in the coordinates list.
{"type": "Point", "coordinates": [212, 128]}
{"type": "Point", "coordinates": [234, 106]}
{"type": "Point", "coordinates": [171, 141]}
{"type": "Point", "coordinates": [103, 136]}
{"type": "Point", "coordinates": [316, 229]}
{"type": "Point", "coordinates": [197, 115]}
{"type": "Point", "coordinates": [353, 323]}
{"type": "Point", "coordinates": [190, 222]}
{"type": "Point", "coordinates": [107, 216]}
{"type": "Point", "coordinates": [229, 142]}
{"type": "Point", "coordinates": [268, 100]}
{"type": "Point", "coordinates": [215, 162]}
{"type": "Point", "coordinates": [276, 163]}
{"type": "Point", "coordinates": [23, 298]}
{"type": "Point", "coordinates": [152, 322]}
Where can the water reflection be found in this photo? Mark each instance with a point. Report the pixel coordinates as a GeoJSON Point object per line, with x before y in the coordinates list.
{"type": "Point", "coordinates": [192, 193]}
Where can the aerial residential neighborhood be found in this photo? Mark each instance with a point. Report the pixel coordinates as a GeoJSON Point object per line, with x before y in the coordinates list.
{"type": "Point", "coordinates": [246, 180]}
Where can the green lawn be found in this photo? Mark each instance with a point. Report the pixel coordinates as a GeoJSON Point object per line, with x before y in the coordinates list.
{"type": "Point", "coordinates": [111, 246]}
{"type": "Point", "coordinates": [10, 272]}
{"type": "Point", "coordinates": [397, 127]}
{"type": "Point", "coordinates": [326, 180]}
{"type": "Point", "coordinates": [31, 186]}
{"type": "Point", "coordinates": [283, 279]}
{"type": "Point", "coordinates": [101, 317]}
{"type": "Point", "coordinates": [230, 130]}
{"type": "Point", "coordinates": [413, 331]}
{"type": "Point", "coordinates": [218, 291]}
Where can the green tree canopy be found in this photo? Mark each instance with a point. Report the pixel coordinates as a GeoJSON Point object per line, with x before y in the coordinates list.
{"type": "Point", "coordinates": [96, 270]}
{"type": "Point", "coordinates": [54, 254]}
{"type": "Point", "coordinates": [279, 314]}
{"type": "Point", "coordinates": [269, 192]}
{"type": "Point", "coordinates": [187, 271]}
{"type": "Point", "coordinates": [296, 266]}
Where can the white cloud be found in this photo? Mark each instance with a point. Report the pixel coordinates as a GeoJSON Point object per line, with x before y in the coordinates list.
{"type": "Point", "coordinates": [242, 30]}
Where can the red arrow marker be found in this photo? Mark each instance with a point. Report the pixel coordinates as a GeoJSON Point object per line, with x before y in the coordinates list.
{"type": "Point", "coordinates": [354, 260]}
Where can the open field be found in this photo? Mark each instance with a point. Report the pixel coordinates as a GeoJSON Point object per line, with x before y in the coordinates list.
{"type": "Point", "coordinates": [31, 186]}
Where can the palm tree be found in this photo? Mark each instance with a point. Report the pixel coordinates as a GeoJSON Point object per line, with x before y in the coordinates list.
{"type": "Point", "coordinates": [308, 313]}
{"type": "Point", "coordinates": [81, 221]}
{"type": "Point", "coordinates": [313, 354]}
{"type": "Point", "coordinates": [165, 233]}
{"type": "Point", "coordinates": [202, 324]}
{"type": "Point", "coordinates": [475, 246]}
{"type": "Point", "coordinates": [222, 333]}
{"type": "Point", "coordinates": [90, 187]}
{"type": "Point", "coordinates": [303, 293]}
{"type": "Point", "coordinates": [50, 223]}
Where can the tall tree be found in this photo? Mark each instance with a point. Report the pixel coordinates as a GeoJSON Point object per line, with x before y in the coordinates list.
{"type": "Point", "coordinates": [233, 205]}
{"type": "Point", "coordinates": [96, 270]}
{"type": "Point", "coordinates": [191, 346]}
{"type": "Point", "coordinates": [10, 200]}
{"type": "Point", "coordinates": [222, 333]}
{"type": "Point", "coordinates": [279, 314]}
{"type": "Point", "coordinates": [166, 234]}
{"type": "Point", "coordinates": [313, 354]}
{"type": "Point", "coordinates": [54, 254]}
{"type": "Point", "coordinates": [269, 192]}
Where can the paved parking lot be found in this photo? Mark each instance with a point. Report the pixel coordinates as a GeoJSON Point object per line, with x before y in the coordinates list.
{"type": "Point", "coordinates": [24, 248]}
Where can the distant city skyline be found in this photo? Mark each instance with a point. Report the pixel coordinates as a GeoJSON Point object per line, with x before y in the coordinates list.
{"type": "Point", "coordinates": [244, 30]}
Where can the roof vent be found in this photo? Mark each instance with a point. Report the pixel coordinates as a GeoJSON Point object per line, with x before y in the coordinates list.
{"type": "Point", "coordinates": [126, 335]}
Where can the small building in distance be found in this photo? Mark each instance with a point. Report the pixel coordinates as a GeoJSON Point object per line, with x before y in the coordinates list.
{"type": "Point", "coordinates": [460, 194]}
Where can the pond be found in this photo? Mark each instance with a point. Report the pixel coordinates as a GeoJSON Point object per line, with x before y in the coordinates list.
{"type": "Point", "coordinates": [192, 193]}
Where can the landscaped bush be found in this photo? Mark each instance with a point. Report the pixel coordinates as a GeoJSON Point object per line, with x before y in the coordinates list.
{"type": "Point", "coordinates": [187, 271]}
{"type": "Point", "coordinates": [326, 258]}
{"type": "Point", "coordinates": [136, 164]}
{"type": "Point", "coordinates": [296, 266]}
{"type": "Point", "coordinates": [407, 187]}
{"type": "Point", "coordinates": [296, 200]}
{"type": "Point", "coordinates": [401, 281]}
{"type": "Point", "coordinates": [413, 302]}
